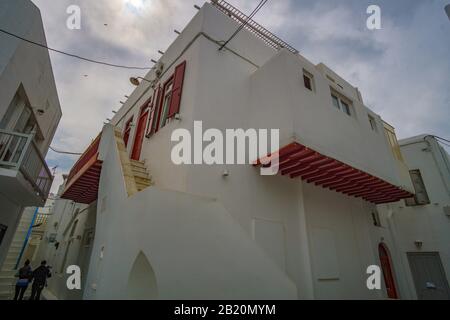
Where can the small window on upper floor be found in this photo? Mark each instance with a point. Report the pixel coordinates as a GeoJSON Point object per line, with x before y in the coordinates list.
{"type": "Point", "coordinates": [421, 196]}
{"type": "Point", "coordinates": [167, 98]}
{"type": "Point", "coordinates": [345, 108]}
{"type": "Point", "coordinates": [341, 103]}
{"type": "Point", "coordinates": [308, 80]}
{"type": "Point", "coordinates": [335, 101]}
{"type": "Point", "coordinates": [373, 123]}
{"type": "Point", "coordinates": [376, 218]}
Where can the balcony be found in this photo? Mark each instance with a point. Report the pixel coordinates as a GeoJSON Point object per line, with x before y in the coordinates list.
{"type": "Point", "coordinates": [24, 175]}
{"type": "Point", "coordinates": [83, 180]}
{"type": "Point", "coordinates": [298, 161]}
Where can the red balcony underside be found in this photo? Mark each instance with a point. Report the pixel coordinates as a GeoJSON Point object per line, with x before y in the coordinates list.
{"type": "Point", "coordinates": [83, 180]}
{"type": "Point", "coordinates": [83, 187]}
{"type": "Point", "coordinates": [296, 160]}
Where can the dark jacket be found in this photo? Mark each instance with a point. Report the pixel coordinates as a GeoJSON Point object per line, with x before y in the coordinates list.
{"type": "Point", "coordinates": [40, 275]}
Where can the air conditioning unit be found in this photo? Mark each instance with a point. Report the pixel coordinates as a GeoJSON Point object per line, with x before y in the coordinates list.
{"type": "Point", "coordinates": [159, 67]}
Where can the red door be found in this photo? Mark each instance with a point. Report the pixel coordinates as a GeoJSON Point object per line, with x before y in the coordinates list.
{"type": "Point", "coordinates": [140, 133]}
{"type": "Point", "coordinates": [388, 274]}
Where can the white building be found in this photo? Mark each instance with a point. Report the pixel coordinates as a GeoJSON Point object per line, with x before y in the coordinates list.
{"type": "Point", "coordinates": [202, 231]}
{"type": "Point", "coordinates": [421, 226]}
{"type": "Point", "coordinates": [67, 240]}
{"type": "Point", "coordinates": [29, 114]}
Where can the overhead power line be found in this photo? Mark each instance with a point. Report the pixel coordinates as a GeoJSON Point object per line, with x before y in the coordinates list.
{"type": "Point", "coordinates": [65, 152]}
{"type": "Point", "coordinates": [440, 138]}
{"type": "Point", "coordinates": [255, 11]}
{"type": "Point", "coordinates": [73, 55]}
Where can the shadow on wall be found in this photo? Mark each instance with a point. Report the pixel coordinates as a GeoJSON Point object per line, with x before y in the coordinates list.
{"type": "Point", "coordinates": [142, 280]}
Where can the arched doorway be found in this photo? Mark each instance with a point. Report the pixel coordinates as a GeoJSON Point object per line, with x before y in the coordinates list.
{"type": "Point", "coordinates": [388, 274]}
{"type": "Point", "coordinates": [142, 280]}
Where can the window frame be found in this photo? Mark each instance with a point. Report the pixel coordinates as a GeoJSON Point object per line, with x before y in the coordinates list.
{"type": "Point", "coordinates": [343, 103]}
{"type": "Point", "coordinates": [167, 83]}
{"type": "Point", "coordinates": [372, 123]}
{"type": "Point", "coordinates": [308, 76]}
{"type": "Point", "coordinates": [166, 101]}
{"type": "Point", "coordinates": [345, 107]}
{"type": "Point", "coordinates": [334, 98]}
{"type": "Point", "coordinates": [376, 218]}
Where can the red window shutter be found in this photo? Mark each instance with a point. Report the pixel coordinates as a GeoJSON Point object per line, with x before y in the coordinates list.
{"type": "Point", "coordinates": [177, 89]}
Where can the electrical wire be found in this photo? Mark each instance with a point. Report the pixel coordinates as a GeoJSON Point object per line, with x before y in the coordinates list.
{"type": "Point", "coordinates": [65, 152]}
{"type": "Point", "coordinates": [73, 55]}
{"type": "Point", "coordinates": [439, 138]}
{"type": "Point", "coordinates": [254, 12]}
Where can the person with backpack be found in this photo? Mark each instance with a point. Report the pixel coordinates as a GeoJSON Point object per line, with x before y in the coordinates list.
{"type": "Point", "coordinates": [24, 276]}
{"type": "Point", "coordinates": [39, 276]}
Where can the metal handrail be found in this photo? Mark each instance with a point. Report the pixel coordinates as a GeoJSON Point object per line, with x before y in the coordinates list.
{"type": "Point", "coordinates": [252, 26]}
{"type": "Point", "coordinates": [18, 151]}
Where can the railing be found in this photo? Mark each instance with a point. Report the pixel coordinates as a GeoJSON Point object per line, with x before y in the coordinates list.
{"type": "Point", "coordinates": [84, 158]}
{"type": "Point", "coordinates": [252, 26]}
{"type": "Point", "coordinates": [19, 152]}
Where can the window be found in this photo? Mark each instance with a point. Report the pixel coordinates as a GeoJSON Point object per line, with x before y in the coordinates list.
{"type": "Point", "coordinates": [167, 98]}
{"type": "Point", "coordinates": [341, 103]}
{"type": "Point", "coordinates": [421, 196]}
{"type": "Point", "coordinates": [373, 124]}
{"type": "Point", "coordinates": [308, 80]}
{"type": "Point", "coordinates": [88, 237]}
{"type": "Point", "coordinates": [345, 107]}
{"type": "Point", "coordinates": [376, 218]}
{"type": "Point", "coordinates": [335, 101]}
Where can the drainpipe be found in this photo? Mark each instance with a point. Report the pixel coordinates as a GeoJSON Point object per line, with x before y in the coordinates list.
{"type": "Point", "coordinates": [25, 243]}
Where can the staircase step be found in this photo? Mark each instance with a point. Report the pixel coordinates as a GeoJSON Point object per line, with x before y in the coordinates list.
{"type": "Point", "coordinates": [8, 273]}
{"type": "Point", "coordinates": [6, 295]}
{"type": "Point", "coordinates": [143, 175]}
{"type": "Point", "coordinates": [11, 257]}
{"type": "Point", "coordinates": [138, 163]}
{"type": "Point", "coordinates": [141, 187]}
{"type": "Point", "coordinates": [7, 281]}
{"type": "Point", "coordinates": [144, 181]}
{"type": "Point", "coordinates": [7, 266]}
{"type": "Point", "coordinates": [137, 171]}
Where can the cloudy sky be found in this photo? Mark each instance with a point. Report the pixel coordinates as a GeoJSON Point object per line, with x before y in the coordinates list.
{"type": "Point", "coordinates": [402, 70]}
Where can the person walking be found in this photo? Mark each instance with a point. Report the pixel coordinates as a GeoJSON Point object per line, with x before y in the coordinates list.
{"type": "Point", "coordinates": [39, 276]}
{"type": "Point", "coordinates": [24, 276]}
